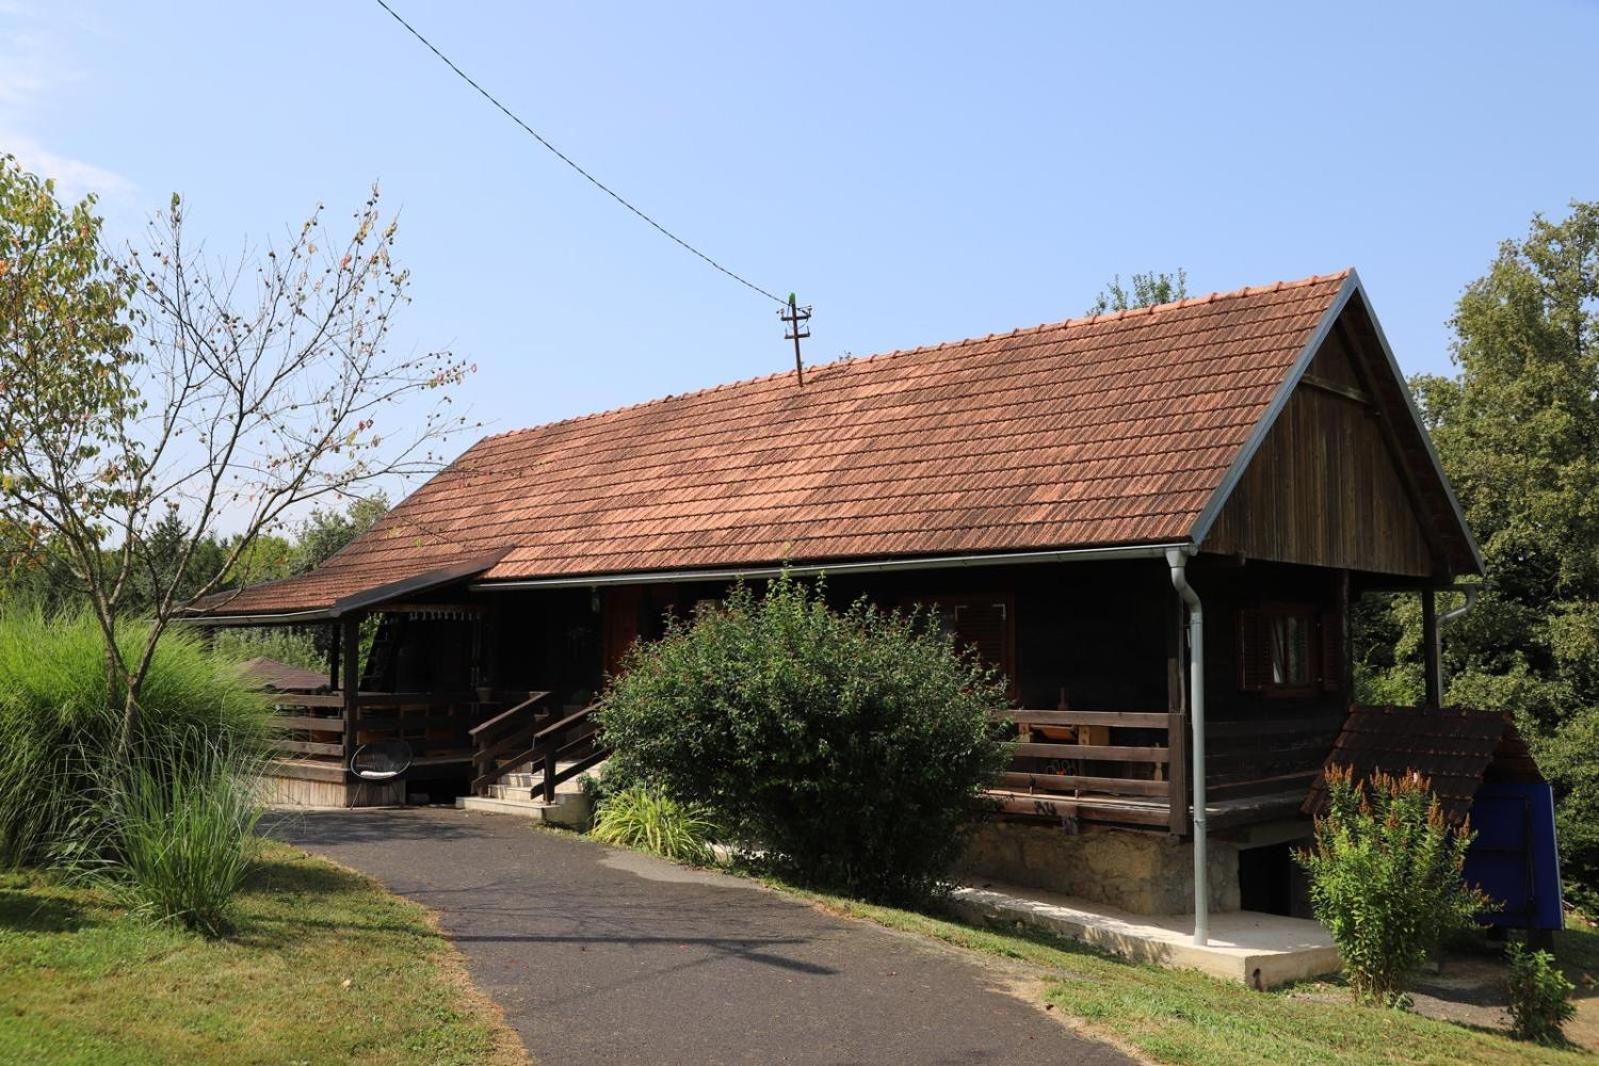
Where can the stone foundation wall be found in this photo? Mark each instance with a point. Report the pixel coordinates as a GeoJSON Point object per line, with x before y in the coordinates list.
{"type": "Point", "coordinates": [1145, 873]}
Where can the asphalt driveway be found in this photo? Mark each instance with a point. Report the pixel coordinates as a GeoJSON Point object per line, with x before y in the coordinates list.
{"type": "Point", "coordinates": [603, 956]}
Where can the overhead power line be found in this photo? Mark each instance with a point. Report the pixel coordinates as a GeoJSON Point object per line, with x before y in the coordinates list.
{"type": "Point", "coordinates": [563, 157]}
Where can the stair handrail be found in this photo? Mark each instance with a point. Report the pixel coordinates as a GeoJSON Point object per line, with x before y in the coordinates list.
{"type": "Point", "coordinates": [533, 697]}
{"type": "Point", "coordinates": [550, 742]}
{"type": "Point", "coordinates": [490, 738]}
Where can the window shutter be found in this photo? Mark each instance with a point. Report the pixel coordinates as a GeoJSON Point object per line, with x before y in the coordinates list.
{"type": "Point", "coordinates": [983, 627]}
{"type": "Point", "coordinates": [1332, 652]}
{"type": "Point", "coordinates": [1254, 650]}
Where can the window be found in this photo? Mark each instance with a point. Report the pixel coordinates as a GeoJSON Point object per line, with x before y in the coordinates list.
{"type": "Point", "coordinates": [1287, 650]}
{"type": "Point", "coordinates": [982, 623]}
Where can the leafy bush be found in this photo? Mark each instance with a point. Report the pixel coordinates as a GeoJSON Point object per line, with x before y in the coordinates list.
{"type": "Point", "coordinates": [174, 834]}
{"type": "Point", "coordinates": [850, 746]}
{"type": "Point", "coordinates": [1540, 996]}
{"type": "Point", "coordinates": [1385, 879]}
{"type": "Point", "coordinates": [58, 739]}
{"type": "Point", "coordinates": [641, 818]}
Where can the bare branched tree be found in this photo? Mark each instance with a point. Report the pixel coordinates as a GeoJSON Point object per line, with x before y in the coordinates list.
{"type": "Point", "coordinates": [240, 392]}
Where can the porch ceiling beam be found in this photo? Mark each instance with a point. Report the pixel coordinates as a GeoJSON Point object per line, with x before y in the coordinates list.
{"type": "Point", "coordinates": [867, 566]}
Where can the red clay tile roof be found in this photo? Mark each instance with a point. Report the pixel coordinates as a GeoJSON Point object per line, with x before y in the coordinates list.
{"type": "Point", "coordinates": [282, 677]}
{"type": "Point", "coordinates": [1455, 749]}
{"type": "Point", "coordinates": [1108, 430]}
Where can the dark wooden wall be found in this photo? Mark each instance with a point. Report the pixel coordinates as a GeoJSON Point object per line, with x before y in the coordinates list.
{"type": "Point", "coordinates": [1325, 489]}
{"type": "Point", "coordinates": [1256, 736]}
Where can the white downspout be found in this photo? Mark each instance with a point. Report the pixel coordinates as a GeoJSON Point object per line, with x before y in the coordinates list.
{"type": "Point", "coordinates": [1178, 559]}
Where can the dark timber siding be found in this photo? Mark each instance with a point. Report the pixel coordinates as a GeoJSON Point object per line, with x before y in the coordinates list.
{"type": "Point", "coordinates": [1324, 488]}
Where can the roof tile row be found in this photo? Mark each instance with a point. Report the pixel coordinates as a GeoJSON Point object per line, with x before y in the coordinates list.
{"type": "Point", "coordinates": [1108, 430]}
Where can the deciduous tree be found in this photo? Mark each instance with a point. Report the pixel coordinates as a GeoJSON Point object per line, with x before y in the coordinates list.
{"type": "Point", "coordinates": [148, 402]}
{"type": "Point", "coordinates": [1518, 432]}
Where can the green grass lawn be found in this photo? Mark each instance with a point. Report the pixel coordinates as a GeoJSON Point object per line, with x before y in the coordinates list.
{"type": "Point", "coordinates": [326, 967]}
{"type": "Point", "coordinates": [1173, 1016]}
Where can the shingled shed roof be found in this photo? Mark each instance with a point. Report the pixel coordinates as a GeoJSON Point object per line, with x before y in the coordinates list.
{"type": "Point", "coordinates": [1456, 750]}
{"type": "Point", "coordinates": [1111, 430]}
{"type": "Point", "coordinates": [277, 676]}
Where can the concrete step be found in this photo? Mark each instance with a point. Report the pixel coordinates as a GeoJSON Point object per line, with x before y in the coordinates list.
{"type": "Point", "coordinates": [533, 792]}
{"type": "Point", "coordinates": [571, 809]}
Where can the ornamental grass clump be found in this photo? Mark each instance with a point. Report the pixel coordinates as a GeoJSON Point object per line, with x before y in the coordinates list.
{"type": "Point", "coordinates": [59, 742]}
{"type": "Point", "coordinates": [173, 835]}
{"type": "Point", "coordinates": [849, 748]}
{"type": "Point", "coordinates": [639, 817]}
{"type": "Point", "coordinates": [1385, 879]}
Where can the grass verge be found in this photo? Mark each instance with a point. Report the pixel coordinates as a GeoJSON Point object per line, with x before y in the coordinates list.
{"type": "Point", "coordinates": [1174, 1016]}
{"type": "Point", "coordinates": [326, 967]}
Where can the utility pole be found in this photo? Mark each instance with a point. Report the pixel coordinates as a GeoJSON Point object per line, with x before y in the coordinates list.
{"type": "Point", "coordinates": [798, 320]}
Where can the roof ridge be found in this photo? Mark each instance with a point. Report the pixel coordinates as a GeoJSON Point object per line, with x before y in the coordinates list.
{"type": "Point", "coordinates": [847, 360]}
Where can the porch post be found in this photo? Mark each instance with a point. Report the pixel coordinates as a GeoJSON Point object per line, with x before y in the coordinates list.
{"type": "Point", "coordinates": [1176, 726]}
{"type": "Point", "coordinates": [1177, 559]}
{"type": "Point", "coordinates": [1430, 649]}
{"type": "Point", "coordinates": [350, 640]}
{"type": "Point", "coordinates": [333, 656]}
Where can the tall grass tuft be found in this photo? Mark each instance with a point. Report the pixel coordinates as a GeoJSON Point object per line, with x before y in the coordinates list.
{"type": "Point", "coordinates": [59, 740]}
{"type": "Point", "coordinates": [174, 835]}
{"type": "Point", "coordinates": [641, 818]}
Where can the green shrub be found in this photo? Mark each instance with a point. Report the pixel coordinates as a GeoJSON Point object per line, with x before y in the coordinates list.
{"type": "Point", "coordinates": [851, 747]}
{"type": "Point", "coordinates": [59, 740]}
{"type": "Point", "coordinates": [174, 834]}
{"type": "Point", "coordinates": [1540, 996]}
{"type": "Point", "coordinates": [641, 818]}
{"type": "Point", "coordinates": [1385, 879]}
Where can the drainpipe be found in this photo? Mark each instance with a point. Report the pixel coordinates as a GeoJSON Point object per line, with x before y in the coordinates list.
{"type": "Point", "coordinates": [1446, 617]}
{"type": "Point", "coordinates": [1177, 558]}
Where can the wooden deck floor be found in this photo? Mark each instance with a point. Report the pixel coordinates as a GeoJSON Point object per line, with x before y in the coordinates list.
{"type": "Point", "coordinates": [1146, 813]}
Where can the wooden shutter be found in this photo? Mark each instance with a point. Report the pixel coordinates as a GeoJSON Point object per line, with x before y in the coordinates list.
{"type": "Point", "coordinates": [1254, 650]}
{"type": "Point", "coordinates": [985, 628]}
{"type": "Point", "coordinates": [1332, 651]}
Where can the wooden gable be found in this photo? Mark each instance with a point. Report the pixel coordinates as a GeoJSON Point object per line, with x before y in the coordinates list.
{"type": "Point", "coordinates": [1328, 486]}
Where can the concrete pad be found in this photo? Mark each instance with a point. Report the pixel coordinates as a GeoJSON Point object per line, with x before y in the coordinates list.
{"type": "Point", "coordinates": [1259, 950]}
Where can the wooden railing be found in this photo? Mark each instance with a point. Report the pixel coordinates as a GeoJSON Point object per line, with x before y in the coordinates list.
{"type": "Point", "coordinates": [1131, 767]}
{"type": "Point", "coordinates": [575, 738]}
{"type": "Point", "coordinates": [1064, 761]}
{"type": "Point", "coordinates": [326, 728]}
{"type": "Point", "coordinates": [497, 741]}
{"type": "Point", "coordinates": [557, 750]}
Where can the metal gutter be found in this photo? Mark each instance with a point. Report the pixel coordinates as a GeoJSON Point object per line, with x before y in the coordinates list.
{"type": "Point", "coordinates": [868, 566]}
{"type": "Point", "coordinates": [287, 618]}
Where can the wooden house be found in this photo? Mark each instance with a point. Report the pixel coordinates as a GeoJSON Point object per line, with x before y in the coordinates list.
{"type": "Point", "coordinates": [1086, 503]}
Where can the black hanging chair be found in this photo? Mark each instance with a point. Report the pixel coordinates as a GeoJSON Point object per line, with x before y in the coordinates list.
{"type": "Point", "coordinates": [381, 761]}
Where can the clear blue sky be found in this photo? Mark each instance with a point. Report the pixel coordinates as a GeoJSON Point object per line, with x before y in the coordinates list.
{"type": "Point", "coordinates": [919, 172]}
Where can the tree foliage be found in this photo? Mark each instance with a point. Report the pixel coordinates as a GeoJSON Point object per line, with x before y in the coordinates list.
{"type": "Point", "coordinates": [1147, 290]}
{"type": "Point", "coordinates": [66, 369]}
{"type": "Point", "coordinates": [151, 400]}
{"type": "Point", "coordinates": [1517, 430]}
{"type": "Point", "coordinates": [850, 746]}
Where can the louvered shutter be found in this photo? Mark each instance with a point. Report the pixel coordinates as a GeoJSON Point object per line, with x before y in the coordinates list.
{"type": "Point", "coordinates": [1332, 652]}
{"type": "Point", "coordinates": [1254, 650]}
{"type": "Point", "coordinates": [984, 627]}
